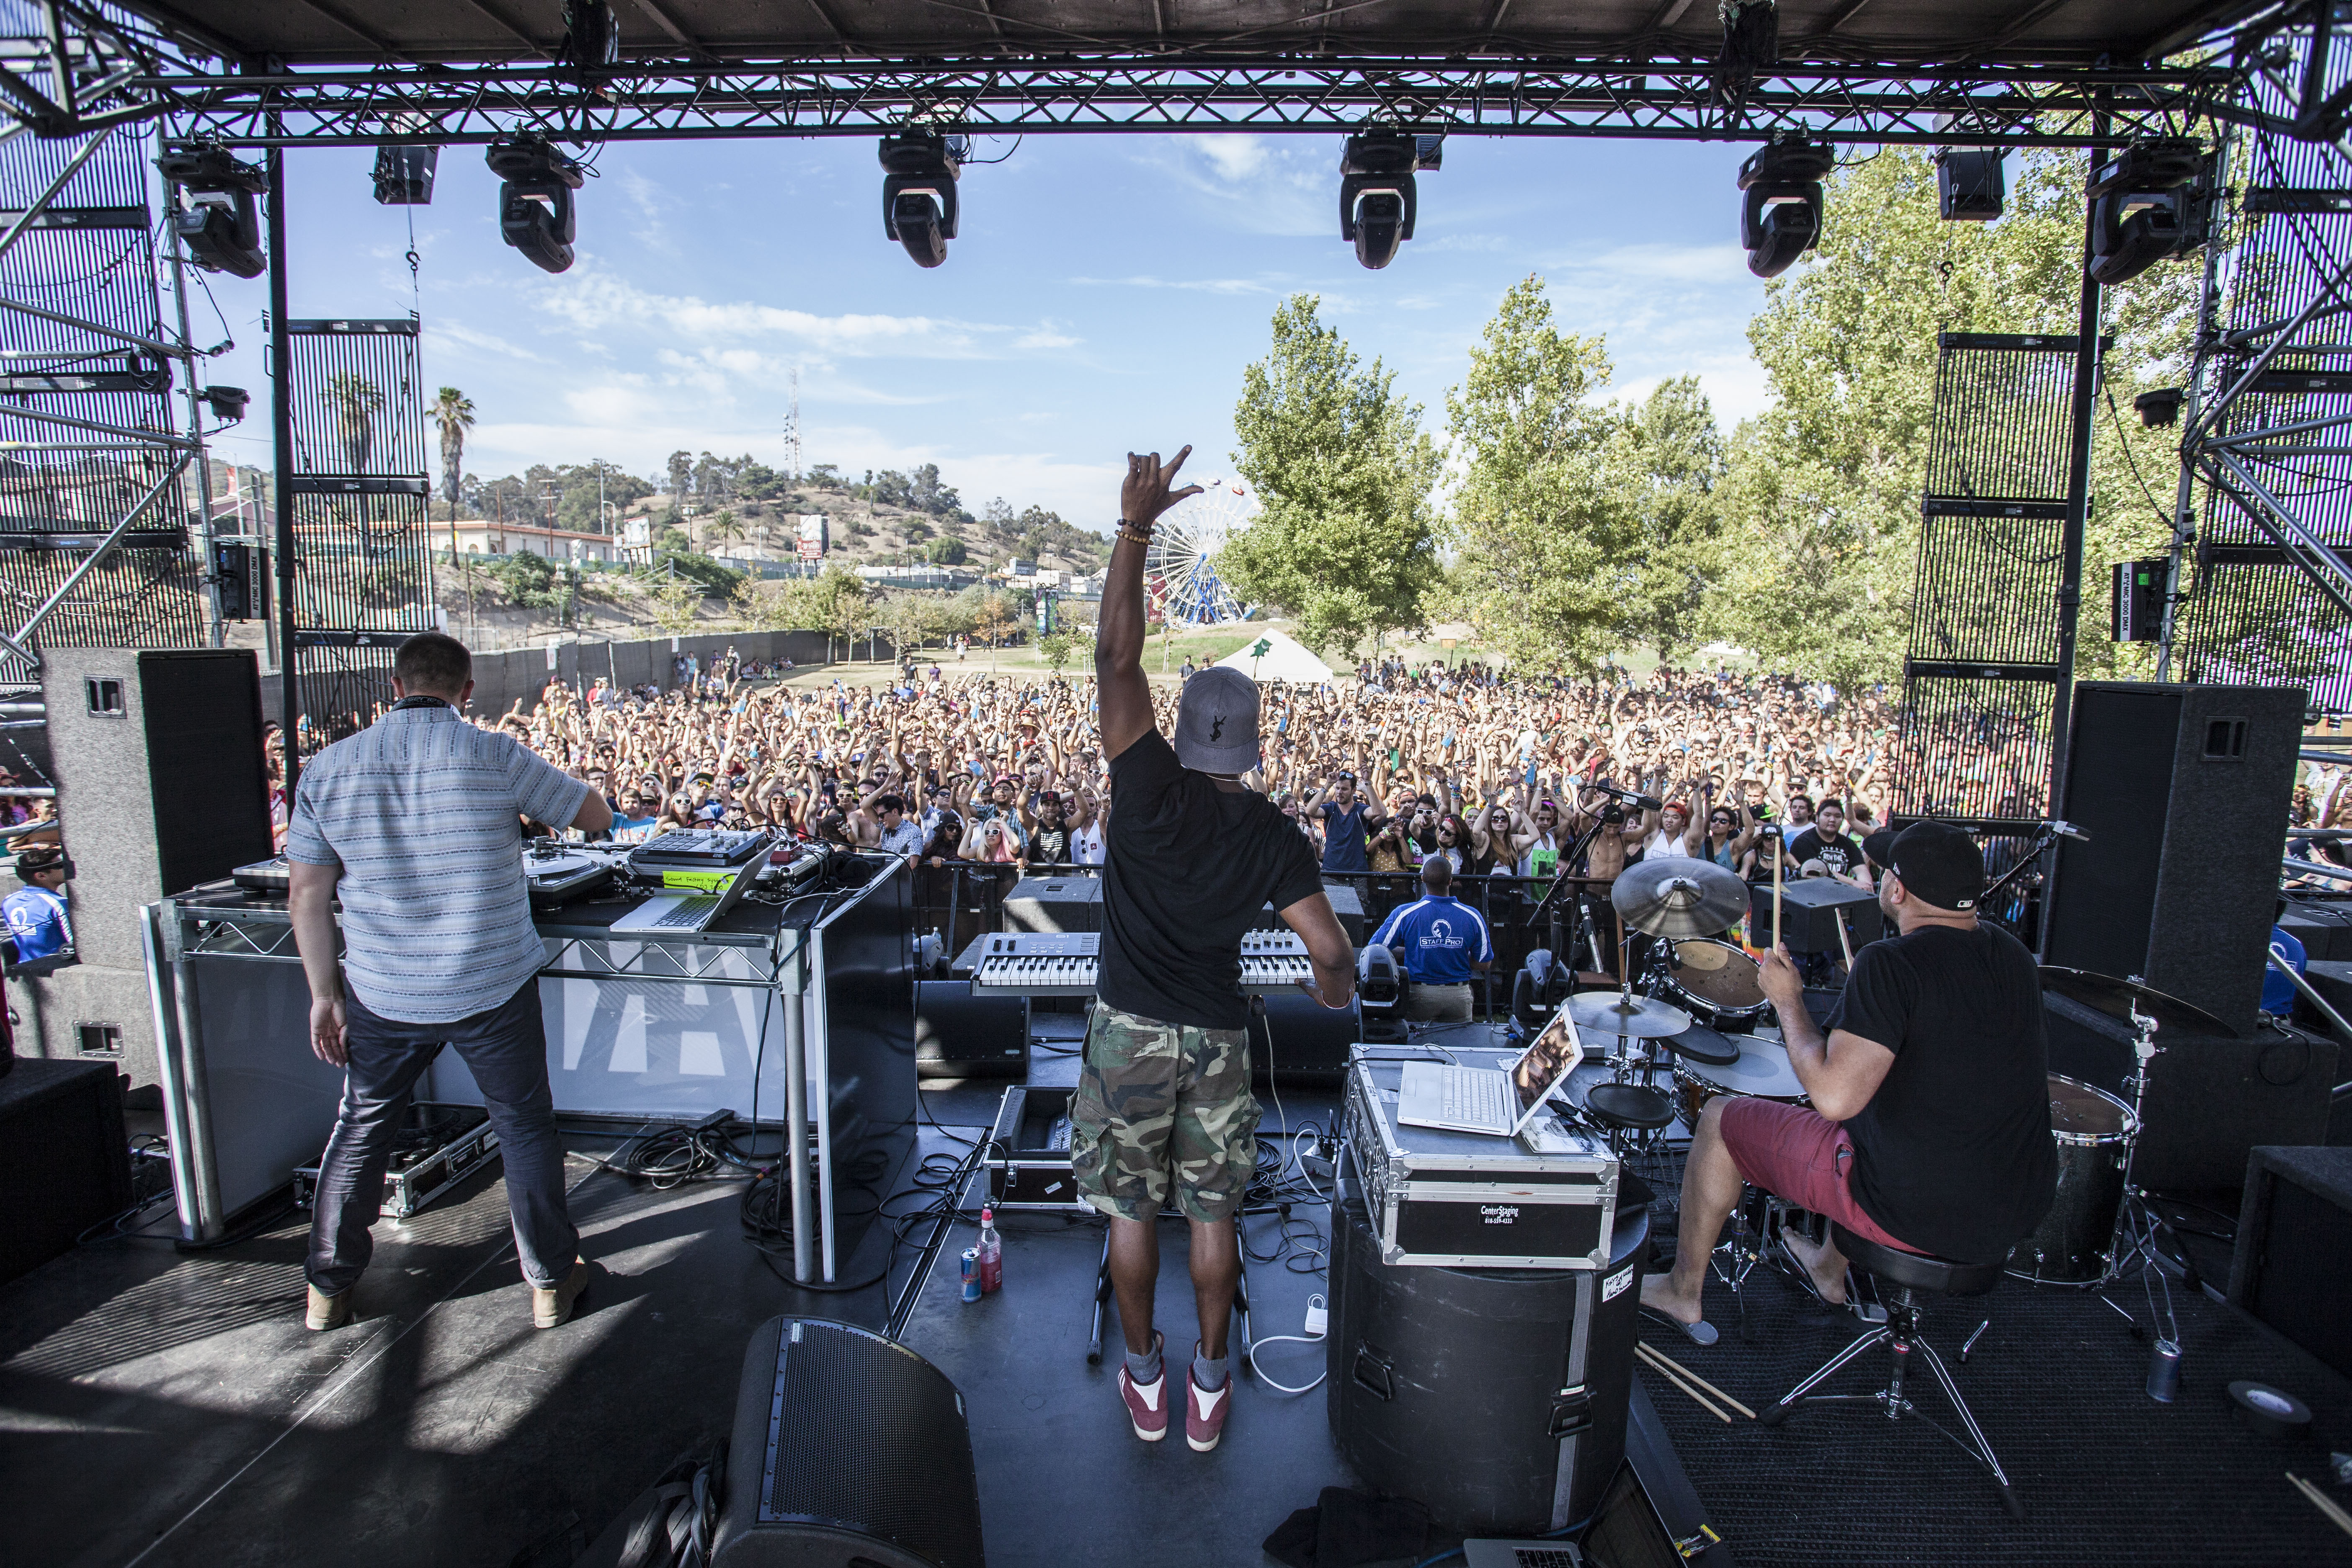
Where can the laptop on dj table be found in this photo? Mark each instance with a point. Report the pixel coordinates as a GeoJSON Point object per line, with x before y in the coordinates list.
{"type": "Point", "coordinates": [1499, 1102]}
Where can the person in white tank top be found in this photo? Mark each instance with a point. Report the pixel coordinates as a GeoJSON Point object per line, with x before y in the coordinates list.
{"type": "Point", "coordinates": [1673, 836]}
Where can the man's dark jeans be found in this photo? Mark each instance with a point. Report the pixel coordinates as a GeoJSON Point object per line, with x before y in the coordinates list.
{"type": "Point", "coordinates": [505, 1050]}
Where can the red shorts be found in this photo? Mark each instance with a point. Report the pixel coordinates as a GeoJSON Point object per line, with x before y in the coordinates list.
{"type": "Point", "coordinates": [1800, 1156]}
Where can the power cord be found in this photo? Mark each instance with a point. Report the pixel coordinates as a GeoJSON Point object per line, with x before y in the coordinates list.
{"type": "Point", "coordinates": [1318, 1329]}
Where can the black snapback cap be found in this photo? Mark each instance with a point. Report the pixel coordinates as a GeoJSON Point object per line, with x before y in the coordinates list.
{"type": "Point", "coordinates": [1939, 864]}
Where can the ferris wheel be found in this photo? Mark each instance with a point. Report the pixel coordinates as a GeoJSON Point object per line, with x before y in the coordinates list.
{"type": "Point", "coordinates": [1181, 569]}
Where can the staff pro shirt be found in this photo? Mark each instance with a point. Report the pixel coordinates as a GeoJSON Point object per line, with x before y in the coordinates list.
{"type": "Point", "coordinates": [420, 810]}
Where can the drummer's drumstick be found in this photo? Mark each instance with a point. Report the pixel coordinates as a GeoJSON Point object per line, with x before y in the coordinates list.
{"type": "Point", "coordinates": [1776, 891]}
{"type": "Point", "coordinates": [1844, 945]}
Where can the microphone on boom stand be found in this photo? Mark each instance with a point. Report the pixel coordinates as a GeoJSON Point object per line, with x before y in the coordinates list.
{"type": "Point", "coordinates": [1647, 801]}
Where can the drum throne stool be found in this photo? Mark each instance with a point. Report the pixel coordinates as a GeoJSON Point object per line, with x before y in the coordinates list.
{"type": "Point", "coordinates": [1910, 1272]}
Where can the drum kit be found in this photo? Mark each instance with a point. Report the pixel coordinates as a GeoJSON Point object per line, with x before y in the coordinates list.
{"type": "Point", "coordinates": [1702, 1005]}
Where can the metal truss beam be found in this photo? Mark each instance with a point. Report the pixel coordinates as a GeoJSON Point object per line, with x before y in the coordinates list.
{"type": "Point", "coordinates": [1671, 100]}
{"type": "Point", "coordinates": [2311, 555]}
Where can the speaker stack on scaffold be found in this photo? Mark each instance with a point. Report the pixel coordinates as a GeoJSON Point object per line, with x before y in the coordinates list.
{"type": "Point", "coordinates": [849, 1451]}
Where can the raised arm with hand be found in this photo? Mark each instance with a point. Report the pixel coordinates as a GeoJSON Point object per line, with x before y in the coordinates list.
{"type": "Point", "coordinates": [1118, 638]}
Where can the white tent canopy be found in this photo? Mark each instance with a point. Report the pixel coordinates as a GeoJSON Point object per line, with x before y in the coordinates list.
{"type": "Point", "coordinates": [1277, 656]}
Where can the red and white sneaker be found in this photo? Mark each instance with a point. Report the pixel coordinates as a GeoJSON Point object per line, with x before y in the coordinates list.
{"type": "Point", "coordinates": [1146, 1403]}
{"type": "Point", "coordinates": [1204, 1412]}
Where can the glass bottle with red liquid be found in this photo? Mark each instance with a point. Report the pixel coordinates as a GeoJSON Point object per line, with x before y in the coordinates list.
{"type": "Point", "coordinates": [991, 1254]}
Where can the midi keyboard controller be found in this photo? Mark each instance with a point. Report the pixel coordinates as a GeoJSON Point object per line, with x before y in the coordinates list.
{"type": "Point", "coordinates": [1069, 963]}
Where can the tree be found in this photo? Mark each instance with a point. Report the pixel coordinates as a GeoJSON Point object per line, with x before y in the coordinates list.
{"type": "Point", "coordinates": [991, 622]}
{"type": "Point", "coordinates": [947, 552]}
{"type": "Point", "coordinates": [680, 469]}
{"type": "Point", "coordinates": [1824, 487]}
{"type": "Point", "coordinates": [353, 400]}
{"type": "Point", "coordinates": [907, 618]}
{"type": "Point", "coordinates": [1059, 645]}
{"type": "Point", "coordinates": [1667, 458]}
{"type": "Point", "coordinates": [1550, 543]}
{"type": "Point", "coordinates": [453, 411]}
{"type": "Point", "coordinates": [1345, 540]}
{"type": "Point", "coordinates": [725, 526]}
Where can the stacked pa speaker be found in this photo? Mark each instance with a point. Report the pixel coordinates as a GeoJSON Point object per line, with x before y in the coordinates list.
{"type": "Point", "coordinates": [161, 786]}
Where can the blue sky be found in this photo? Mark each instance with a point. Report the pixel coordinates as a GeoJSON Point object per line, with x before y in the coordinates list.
{"type": "Point", "coordinates": [1106, 294]}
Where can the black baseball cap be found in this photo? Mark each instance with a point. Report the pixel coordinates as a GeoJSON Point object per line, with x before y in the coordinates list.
{"type": "Point", "coordinates": [1939, 864]}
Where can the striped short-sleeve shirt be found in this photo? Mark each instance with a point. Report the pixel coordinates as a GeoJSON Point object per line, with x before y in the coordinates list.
{"type": "Point", "coordinates": [420, 810]}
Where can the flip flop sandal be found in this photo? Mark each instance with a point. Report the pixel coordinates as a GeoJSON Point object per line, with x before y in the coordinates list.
{"type": "Point", "coordinates": [1701, 1333]}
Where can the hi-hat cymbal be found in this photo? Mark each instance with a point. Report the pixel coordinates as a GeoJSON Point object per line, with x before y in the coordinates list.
{"type": "Point", "coordinates": [2116, 998]}
{"type": "Point", "coordinates": [1679, 897]}
{"type": "Point", "coordinates": [1638, 1018]}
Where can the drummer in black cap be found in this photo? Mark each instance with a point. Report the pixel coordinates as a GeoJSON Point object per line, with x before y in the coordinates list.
{"type": "Point", "coordinates": [1928, 1126]}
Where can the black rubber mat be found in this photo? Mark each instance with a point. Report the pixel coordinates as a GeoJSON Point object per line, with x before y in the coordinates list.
{"type": "Point", "coordinates": [2057, 1382]}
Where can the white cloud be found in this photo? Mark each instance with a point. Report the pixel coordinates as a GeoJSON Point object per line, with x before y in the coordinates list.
{"type": "Point", "coordinates": [1235, 157]}
{"type": "Point", "coordinates": [1045, 338]}
{"type": "Point", "coordinates": [445, 329]}
{"type": "Point", "coordinates": [1195, 284]}
{"type": "Point", "coordinates": [1255, 185]}
{"type": "Point", "coordinates": [599, 302]}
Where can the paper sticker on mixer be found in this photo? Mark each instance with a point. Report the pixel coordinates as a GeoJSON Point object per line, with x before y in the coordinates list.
{"type": "Point", "coordinates": [1614, 1286]}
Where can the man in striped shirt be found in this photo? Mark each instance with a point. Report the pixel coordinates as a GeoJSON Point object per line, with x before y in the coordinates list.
{"type": "Point", "coordinates": [414, 825]}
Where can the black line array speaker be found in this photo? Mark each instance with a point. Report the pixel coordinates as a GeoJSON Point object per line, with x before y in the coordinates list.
{"type": "Point", "coordinates": [1460, 1387]}
{"type": "Point", "coordinates": [2183, 791]}
{"type": "Point", "coordinates": [960, 1034]}
{"type": "Point", "coordinates": [850, 1452]}
{"type": "Point", "coordinates": [161, 786]}
{"type": "Point", "coordinates": [2293, 1266]}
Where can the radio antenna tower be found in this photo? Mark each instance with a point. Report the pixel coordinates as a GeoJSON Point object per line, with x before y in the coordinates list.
{"type": "Point", "coordinates": [793, 428]}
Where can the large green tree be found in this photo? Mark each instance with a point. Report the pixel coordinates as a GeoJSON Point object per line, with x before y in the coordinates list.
{"type": "Point", "coordinates": [1345, 541]}
{"type": "Point", "coordinates": [1822, 502]}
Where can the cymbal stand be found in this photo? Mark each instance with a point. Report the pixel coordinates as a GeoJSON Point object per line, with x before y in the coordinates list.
{"type": "Point", "coordinates": [2136, 1224]}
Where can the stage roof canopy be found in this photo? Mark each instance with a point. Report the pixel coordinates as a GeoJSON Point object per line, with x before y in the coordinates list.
{"type": "Point", "coordinates": [1829, 32]}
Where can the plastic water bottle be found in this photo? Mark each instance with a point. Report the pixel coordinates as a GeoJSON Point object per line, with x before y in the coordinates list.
{"type": "Point", "coordinates": [991, 1254]}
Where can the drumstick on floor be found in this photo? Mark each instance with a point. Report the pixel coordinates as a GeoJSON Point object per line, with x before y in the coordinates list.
{"type": "Point", "coordinates": [1696, 1397]}
{"type": "Point", "coordinates": [2325, 1504]}
{"type": "Point", "coordinates": [1668, 1363]}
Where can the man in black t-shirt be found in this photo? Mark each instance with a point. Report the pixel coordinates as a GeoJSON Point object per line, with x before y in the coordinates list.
{"type": "Point", "coordinates": [1164, 1092]}
{"type": "Point", "coordinates": [1930, 1128]}
{"type": "Point", "coordinates": [1828, 847]}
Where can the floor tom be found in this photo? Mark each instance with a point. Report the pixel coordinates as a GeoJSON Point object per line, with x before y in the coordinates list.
{"type": "Point", "coordinates": [2075, 1243]}
{"type": "Point", "coordinates": [1762, 1071]}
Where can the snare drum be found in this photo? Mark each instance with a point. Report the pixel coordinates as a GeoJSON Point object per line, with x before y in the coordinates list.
{"type": "Point", "coordinates": [1762, 1071]}
{"type": "Point", "coordinates": [1717, 981]}
{"type": "Point", "coordinates": [2075, 1243]}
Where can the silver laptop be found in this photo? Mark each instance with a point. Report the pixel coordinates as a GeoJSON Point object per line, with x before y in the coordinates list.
{"type": "Point", "coordinates": [1497, 1100]}
{"type": "Point", "coordinates": [683, 914]}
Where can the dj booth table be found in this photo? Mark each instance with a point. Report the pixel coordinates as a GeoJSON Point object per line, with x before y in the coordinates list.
{"type": "Point", "coordinates": [652, 1028]}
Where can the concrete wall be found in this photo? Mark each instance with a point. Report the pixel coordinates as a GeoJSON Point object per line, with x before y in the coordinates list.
{"type": "Point", "coordinates": [501, 678]}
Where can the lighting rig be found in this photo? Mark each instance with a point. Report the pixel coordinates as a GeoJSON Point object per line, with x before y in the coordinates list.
{"type": "Point", "coordinates": [535, 213]}
{"type": "Point", "coordinates": [1781, 214]}
{"type": "Point", "coordinates": [2150, 202]}
{"type": "Point", "coordinates": [1376, 190]}
{"type": "Point", "coordinates": [918, 191]}
{"type": "Point", "coordinates": [213, 209]}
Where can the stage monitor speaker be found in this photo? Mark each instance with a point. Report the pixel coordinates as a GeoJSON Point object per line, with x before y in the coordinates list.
{"type": "Point", "coordinates": [850, 1452]}
{"type": "Point", "coordinates": [2293, 1266]}
{"type": "Point", "coordinates": [1347, 904]}
{"type": "Point", "coordinates": [1462, 1387]}
{"type": "Point", "coordinates": [161, 786]}
{"type": "Point", "coordinates": [64, 1165]}
{"type": "Point", "coordinates": [2183, 791]}
{"type": "Point", "coordinates": [1298, 1040]}
{"type": "Point", "coordinates": [958, 1034]}
{"type": "Point", "coordinates": [1065, 903]}
{"type": "Point", "coordinates": [2211, 1097]}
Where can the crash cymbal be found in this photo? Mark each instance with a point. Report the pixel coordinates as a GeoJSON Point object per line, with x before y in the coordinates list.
{"type": "Point", "coordinates": [1679, 897]}
{"type": "Point", "coordinates": [2116, 998]}
{"type": "Point", "coordinates": [1639, 1018]}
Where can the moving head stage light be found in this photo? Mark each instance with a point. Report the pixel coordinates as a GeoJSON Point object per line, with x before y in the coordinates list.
{"type": "Point", "coordinates": [1780, 218]}
{"type": "Point", "coordinates": [918, 193]}
{"type": "Point", "coordinates": [1376, 190]}
{"type": "Point", "coordinates": [2149, 203]}
{"type": "Point", "coordinates": [213, 209]}
{"type": "Point", "coordinates": [535, 213]}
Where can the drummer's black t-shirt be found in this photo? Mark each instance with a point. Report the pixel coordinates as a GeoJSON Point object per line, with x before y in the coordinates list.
{"type": "Point", "coordinates": [1953, 1154]}
{"type": "Point", "coordinates": [1189, 868]}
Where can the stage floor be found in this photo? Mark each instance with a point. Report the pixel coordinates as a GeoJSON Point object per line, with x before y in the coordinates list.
{"type": "Point", "coordinates": [167, 1408]}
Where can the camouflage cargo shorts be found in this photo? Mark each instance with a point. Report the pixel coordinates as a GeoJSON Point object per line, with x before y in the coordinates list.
{"type": "Point", "coordinates": [1159, 1099]}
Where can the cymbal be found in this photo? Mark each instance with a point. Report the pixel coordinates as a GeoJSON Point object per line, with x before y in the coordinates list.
{"type": "Point", "coordinates": [2116, 998]}
{"type": "Point", "coordinates": [1640, 1019]}
{"type": "Point", "coordinates": [1679, 897]}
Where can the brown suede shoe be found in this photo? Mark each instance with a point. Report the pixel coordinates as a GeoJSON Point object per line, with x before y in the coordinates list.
{"type": "Point", "coordinates": [552, 1308]}
{"type": "Point", "coordinates": [327, 1311]}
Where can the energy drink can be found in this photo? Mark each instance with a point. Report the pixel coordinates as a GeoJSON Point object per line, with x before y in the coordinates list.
{"type": "Point", "coordinates": [971, 1274]}
{"type": "Point", "coordinates": [2164, 1371]}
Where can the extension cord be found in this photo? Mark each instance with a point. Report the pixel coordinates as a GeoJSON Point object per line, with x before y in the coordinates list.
{"type": "Point", "coordinates": [1319, 1327]}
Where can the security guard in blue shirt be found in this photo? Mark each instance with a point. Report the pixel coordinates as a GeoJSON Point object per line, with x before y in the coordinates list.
{"type": "Point", "coordinates": [37, 913]}
{"type": "Point", "coordinates": [1442, 943]}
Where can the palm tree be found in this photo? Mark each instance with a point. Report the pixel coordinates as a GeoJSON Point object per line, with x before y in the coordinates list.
{"type": "Point", "coordinates": [354, 399]}
{"type": "Point", "coordinates": [726, 525]}
{"type": "Point", "coordinates": [453, 412]}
